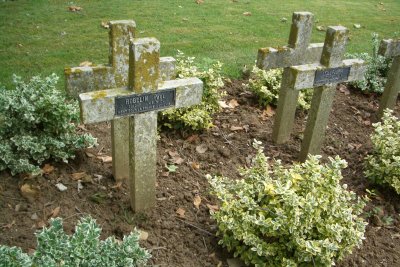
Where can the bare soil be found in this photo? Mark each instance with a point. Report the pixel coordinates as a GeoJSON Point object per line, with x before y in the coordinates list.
{"type": "Point", "coordinates": [189, 239]}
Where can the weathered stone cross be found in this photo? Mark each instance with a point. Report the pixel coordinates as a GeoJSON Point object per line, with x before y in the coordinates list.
{"type": "Point", "coordinates": [115, 74]}
{"type": "Point", "coordinates": [324, 78]}
{"type": "Point", "coordinates": [140, 102]}
{"type": "Point", "coordinates": [391, 49]}
{"type": "Point", "coordinates": [299, 51]}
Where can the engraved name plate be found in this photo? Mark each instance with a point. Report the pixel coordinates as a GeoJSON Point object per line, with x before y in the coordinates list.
{"type": "Point", "coordinates": [133, 104]}
{"type": "Point", "coordinates": [333, 75]}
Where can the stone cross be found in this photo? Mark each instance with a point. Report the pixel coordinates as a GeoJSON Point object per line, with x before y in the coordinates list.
{"type": "Point", "coordinates": [299, 51]}
{"type": "Point", "coordinates": [391, 49]}
{"type": "Point", "coordinates": [113, 75]}
{"type": "Point", "coordinates": [140, 101]}
{"type": "Point", "coordinates": [324, 77]}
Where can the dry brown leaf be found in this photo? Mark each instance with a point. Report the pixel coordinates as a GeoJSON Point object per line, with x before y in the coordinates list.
{"type": "Point", "coordinates": [180, 212]}
{"type": "Point", "coordinates": [201, 149]}
{"type": "Point", "coordinates": [197, 201]}
{"type": "Point", "coordinates": [143, 235]}
{"type": "Point", "coordinates": [212, 207]}
{"type": "Point", "coordinates": [177, 160]}
{"type": "Point", "coordinates": [90, 155]}
{"type": "Point", "coordinates": [247, 13]}
{"type": "Point", "coordinates": [269, 111]}
{"type": "Point", "coordinates": [105, 159]}
{"type": "Point", "coordinates": [233, 103]}
{"type": "Point", "coordinates": [40, 225]}
{"type": "Point", "coordinates": [29, 193]}
{"type": "Point", "coordinates": [199, 2]}
{"type": "Point", "coordinates": [78, 175]}
{"type": "Point", "coordinates": [47, 169]}
{"type": "Point", "coordinates": [343, 89]}
{"type": "Point", "coordinates": [165, 174]}
{"type": "Point", "coordinates": [195, 165]}
{"type": "Point", "coordinates": [173, 154]}
{"type": "Point", "coordinates": [192, 138]}
{"type": "Point", "coordinates": [85, 64]}
{"type": "Point", "coordinates": [117, 186]}
{"type": "Point", "coordinates": [223, 104]}
{"type": "Point", "coordinates": [105, 24]}
{"type": "Point", "coordinates": [236, 128]}
{"type": "Point", "coordinates": [74, 8]}
{"type": "Point", "coordinates": [54, 213]}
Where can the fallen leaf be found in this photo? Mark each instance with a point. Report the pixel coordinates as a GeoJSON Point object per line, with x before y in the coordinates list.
{"type": "Point", "coordinates": [177, 160]}
{"type": "Point", "coordinates": [78, 175]}
{"type": "Point", "coordinates": [171, 168]}
{"type": "Point", "coordinates": [321, 28]}
{"type": "Point", "coordinates": [117, 186]}
{"type": "Point", "coordinates": [195, 165]}
{"type": "Point", "coordinates": [201, 149]}
{"type": "Point", "coordinates": [54, 213]}
{"type": "Point", "coordinates": [343, 89]}
{"type": "Point", "coordinates": [29, 193]}
{"type": "Point", "coordinates": [197, 201]}
{"type": "Point", "coordinates": [105, 159]}
{"type": "Point", "coordinates": [223, 104]}
{"type": "Point", "coordinates": [61, 187]}
{"type": "Point", "coordinates": [85, 64]}
{"type": "Point", "coordinates": [74, 8]}
{"type": "Point", "coordinates": [143, 235]}
{"type": "Point", "coordinates": [35, 217]}
{"type": "Point", "coordinates": [40, 225]}
{"type": "Point", "coordinates": [236, 128]}
{"type": "Point", "coordinates": [47, 169]}
{"type": "Point", "coordinates": [180, 212]}
{"type": "Point", "coordinates": [80, 186]}
{"type": "Point", "coordinates": [212, 207]}
{"type": "Point", "coordinates": [165, 174]}
{"type": "Point", "coordinates": [233, 103]}
{"type": "Point", "coordinates": [357, 26]}
{"type": "Point", "coordinates": [173, 154]}
{"type": "Point", "coordinates": [90, 155]}
{"type": "Point", "coordinates": [199, 2]}
{"type": "Point", "coordinates": [192, 138]}
{"type": "Point", "coordinates": [269, 111]}
{"type": "Point", "coordinates": [247, 13]}
{"type": "Point", "coordinates": [283, 19]}
{"type": "Point", "coordinates": [105, 24]}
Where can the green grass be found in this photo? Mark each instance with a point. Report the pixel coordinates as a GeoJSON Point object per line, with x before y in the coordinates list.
{"type": "Point", "coordinates": [42, 36]}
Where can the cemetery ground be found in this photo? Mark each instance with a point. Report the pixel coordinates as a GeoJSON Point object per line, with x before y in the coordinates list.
{"type": "Point", "coordinates": [179, 231]}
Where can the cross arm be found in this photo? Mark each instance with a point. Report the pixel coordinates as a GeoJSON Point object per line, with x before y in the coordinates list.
{"type": "Point", "coordinates": [100, 106]}
{"type": "Point", "coordinates": [85, 79]}
{"type": "Point", "coordinates": [282, 57]}
{"type": "Point", "coordinates": [304, 76]}
{"type": "Point", "coordinates": [389, 48]}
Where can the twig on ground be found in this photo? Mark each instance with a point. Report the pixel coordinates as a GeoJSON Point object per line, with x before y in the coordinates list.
{"type": "Point", "coordinates": [194, 226]}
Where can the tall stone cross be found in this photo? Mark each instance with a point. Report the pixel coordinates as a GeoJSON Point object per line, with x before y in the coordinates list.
{"type": "Point", "coordinates": [140, 101]}
{"type": "Point", "coordinates": [114, 74]}
{"type": "Point", "coordinates": [324, 77]}
{"type": "Point", "coordinates": [299, 51]}
{"type": "Point", "coordinates": [390, 49]}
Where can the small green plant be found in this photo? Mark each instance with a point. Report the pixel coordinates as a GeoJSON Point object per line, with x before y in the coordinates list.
{"type": "Point", "coordinates": [83, 248]}
{"type": "Point", "coordinates": [382, 166]}
{"type": "Point", "coordinates": [200, 116]}
{"type": "Point", "coordinates": [296, 216]}
{"type": "Point", "coordinates": [377, 69]}
{"type": "Point", "coordinates": [266, 85]}
{"type": "Point", "coordinates": [37, 124]}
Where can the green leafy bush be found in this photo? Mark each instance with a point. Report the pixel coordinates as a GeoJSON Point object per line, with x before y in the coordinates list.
{"type": "Point", "coordinates": [297, 216]}
{"type": "Point", "coordinates": [377, 69]}
{"type": "Point", "coordinates": [83, 248]}
{"type": "Point", "coordinates": [266, 86]}
{"type": "Point", "coordinates": [200, 116]}
{"type": "Point", "coordinates": [383, 165]}
{"type": "Point", "coordinates": [37, 124]}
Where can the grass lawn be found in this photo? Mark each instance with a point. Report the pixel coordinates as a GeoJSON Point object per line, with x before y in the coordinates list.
{"type": "Point", "coordinates": [42, 36]}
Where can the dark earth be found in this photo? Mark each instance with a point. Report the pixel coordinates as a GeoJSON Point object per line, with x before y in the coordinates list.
{"type": "Point", "coordinates": [177, 239]}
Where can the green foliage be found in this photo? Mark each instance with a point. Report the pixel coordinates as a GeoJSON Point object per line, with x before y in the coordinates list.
{"type": "Point", "coordinates": [382, 166]}
{"type": "Point", "coordinates": [37, 124]}
{"type": "Point", "coordinates": [377, 69]}
{"type": "Point", "coordinates": [200, 116]}
{"type": "Point", "coordinates": [296, 216]}
{"type": "Point", "coordinates": [83, 248]}
{"type": "Point", "coordinates": [266, 85]}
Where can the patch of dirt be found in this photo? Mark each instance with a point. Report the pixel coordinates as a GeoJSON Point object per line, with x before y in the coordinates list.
{"type": "Point", "coordinates": [189, 239]}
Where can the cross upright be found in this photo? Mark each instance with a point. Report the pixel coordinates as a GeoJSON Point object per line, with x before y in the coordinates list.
{"type": "Point", "coordinates": [113, 75]}
{"type": "Point", "coordinates": [299, 51]}
{"type": "Point", "coordinates": [140, 101]}
{"type": "Point", "coordinates": [324, 77]}
{"type": "Point", "coordinates": [390, 49]}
